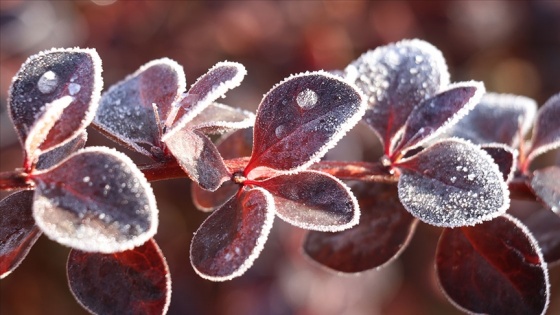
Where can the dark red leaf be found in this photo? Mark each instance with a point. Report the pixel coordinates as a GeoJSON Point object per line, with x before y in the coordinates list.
{"type": "Point", "coordinates": [384, 231]}
{"type": "Point", "coordinates": [545, 184]}
{"type": "Point", "coordinates": [313, 201]}
{"type": "Point", "coordinates": [396, 78]}
{"type": "Point", "coordinates": [438, 113]}
{"type": "Point", "coordinates": [232, 237]}
{"type": "Point", "coordinates": [494, 268]}
{"type": "Point", "coordinates": [219, 118]}
{"type": "Point", "coordinates": [301, 118]}
{"type": "Point", "coordinates": [452, 183]}
{"type": "Point", "coordinates": [104, 204]}
{"type": "Point", "coordinates": [135, 281]}
{"type": "Point", "coordinates": [198, 157]}
{"type": "Point", "coordinates": [51, 75]}
{"type": "Point", "coordinates": [221, 78]}
{"type": "Point", "coordinates": [18, 231]}
{"type": "Point", "coordinates": [53, 157]}
{"type": "Point", "coordinates": [130, 111]}
{"type": "Point", "coordinates": [504, 156]}
{"type": "Point", "coordinates": [498, 118]}
{"type": "Point", "coordinates": [546, 134]}
{"type": "Point", "coordinates": [545, 227]}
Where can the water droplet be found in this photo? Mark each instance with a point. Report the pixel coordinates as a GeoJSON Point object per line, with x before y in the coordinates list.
{"type": "Point", "coordinates": [74, 88]}
{"type": "Point", "coordinates": [237, 250]}
{"type": "Point", "coordinates": [280, 130]}
{"type": "Point", "coordinates": [307, 99]}
{"type": "Point", "coordinates": [470, 176]}
{"type": "Point", "coordinates": [418, 59]}
{"type": "Point", "coordinates": [86, 179]}
{"type": "Point", "coordinates": [48, 82]}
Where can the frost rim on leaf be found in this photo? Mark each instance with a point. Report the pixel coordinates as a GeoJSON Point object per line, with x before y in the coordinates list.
{"type": "Point", "coordinates": [145, 186]}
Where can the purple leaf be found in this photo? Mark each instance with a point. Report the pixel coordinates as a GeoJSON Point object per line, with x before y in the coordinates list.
{"type": "Point", "coordinates": [232, 237]}
{"type": "Point", "coordinates": [221, 78]}
{"type": "Point", "coordinates": [498, 118]}
{"type": "Point", "coordinates": [494, 268]}
{"type": "Point", "coordinates": [96, 200]}
{"type": "Point", "coordinates": [545, 184]}
{"type": "Point", "coordinates": [130, 111]}
{"type": "Point", "coordinates": [546, 134]}
{"type": "Point", "coordinates": [135, 281]}
{"type": "Point", "coordinates": [452, 183]}
{"type": "Point", "coordinates": [53, 157]}
{"type": "Point", "coordinates": [18, 231]}
{"type": "Point", "coordinates": [49, 76]}
{"type": "Point", "coordinates": [436, 114]}
{"type": "Point", "coordinates": [301, 118]}
{"type": "Point", "coordinates": [313, 201]}
{"type": "Point", "coordinates": [384, 231]}
{"type": "Point", "coordinates": [544, 225]}
{"type": "Point", "coordinates": [198, 157]}
{"type": "Point", "coordinates": [219, 118]}
{"type": "Point", "coordinates": [504, 156]}
{"type": "Point", "coordinates": [396, 78]}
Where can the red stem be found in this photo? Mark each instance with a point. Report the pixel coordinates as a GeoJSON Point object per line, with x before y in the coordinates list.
{"type": "Point", "coordinates": [15, 180]}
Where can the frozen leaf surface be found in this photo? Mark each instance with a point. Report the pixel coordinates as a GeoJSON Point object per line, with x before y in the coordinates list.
{"type": "Point", "coordinates": [135, 281]}
{"type": "Point", "coordinates": [301, 118]}
{"type": "Point", "coordinates": [440, 112]}
{"type": "Point", "coordinates": [130, 110]}
{"type": "Point", "coordinates": [504, 156]}
{"type": "Point", "coordinates": [198, 157]}
{"type": "Point", "coordinates": [232, 237]}
{"type": "Point", "coordinates": [384, 231]}
{"type": "Point", "coordinates": [546, 135]}
{"type": "Point", "coordinates": [53, 157]}
{"type": "Point", "coordinates": [545, 183]}
{"type": "Point", "coordinates": [49, 76]}
{"type": "Point", "coordinates": [498, 118]}
{"type": "Point", "coordinates": [96, 200]}
{"type": "Point", "coordinates": [313, 201]}
{"type": "Point", "coordinates": [219, 118]}
{"type": "Point", "coordinates": [452, 183]}
{"type": "Point", "coordinates": [493, 268]}
{"type": "Point", "coordinates": [18, 231]}
{"type": "Point", "coordinates": [396, 78]}
{"type": "Point", "coordinates": [221, 78]}
{"type": "Point", "coordinates": [544, 225]}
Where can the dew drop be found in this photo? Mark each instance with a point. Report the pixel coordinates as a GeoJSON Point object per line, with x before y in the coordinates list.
{"type": "Point", "coordinates": [74, 88]}
{"type": "Point", "coordinates": [418, 59]}
{"type": "Point", "coordinates": [86, 179]}
{"type": "Point", "coordinates": [48, 82]}
{"type": "Point", "coordinates": [280, 130]}
{"type": "Point", "coordinates": [470, 176]}
{"type": "Point", "coordinates": [307, 99]}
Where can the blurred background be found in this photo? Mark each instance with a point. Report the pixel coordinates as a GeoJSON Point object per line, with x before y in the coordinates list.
{"type": "Point", "coordinates": [513, 46]}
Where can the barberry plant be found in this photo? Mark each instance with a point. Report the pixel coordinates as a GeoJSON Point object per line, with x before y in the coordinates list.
{"type": "Point", "coordinates": [442, 164]}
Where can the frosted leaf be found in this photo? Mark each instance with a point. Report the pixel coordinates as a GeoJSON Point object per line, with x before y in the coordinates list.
{"type": "Point", "coordinates": [53, 157]}
{"type": "Point", "coordinates": [219, 118]}
{"type": "Point", "coordinates": [495, 267]}
{"type": "Point", "coordinates": [135, 281]}
{"type": "Point", "coordinates": [391, 88]}
{"type": "Point", "coordinates": [198, 157]}
{"type": "Point", "coordinates": [47, 77]}
{"type": "Point", "coordinates": [96, 200]}
{"type": "Point", "coordinates": [384, 231]}
{"type": "Point", "coordinates": [313, 201]}
{"type": "Point", "coordinates": [18, 232]}
{"type": "Point", "coordinates": [129, 111]}
{"type": "Point", "coordinates": [438, 113]}
{"type": "Point", "coordinates": [546, 134]}
{"type": "Point", "coordinates": [221, 78]}
{"type": "Point", "coordinates": [231, 238]}
{"type": "Point", "coordinates": [498, 118]}
{"type": "Point", "coordinates": [305, 135]}
{"type": "Point", "coordinates": [40, 129]}
{"type": "Point", "coordinates": [505, 157]}
{"type": "Point", "coordinates": [452, 183]}
{"type": "Point", "coordinates": [545, 184]}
